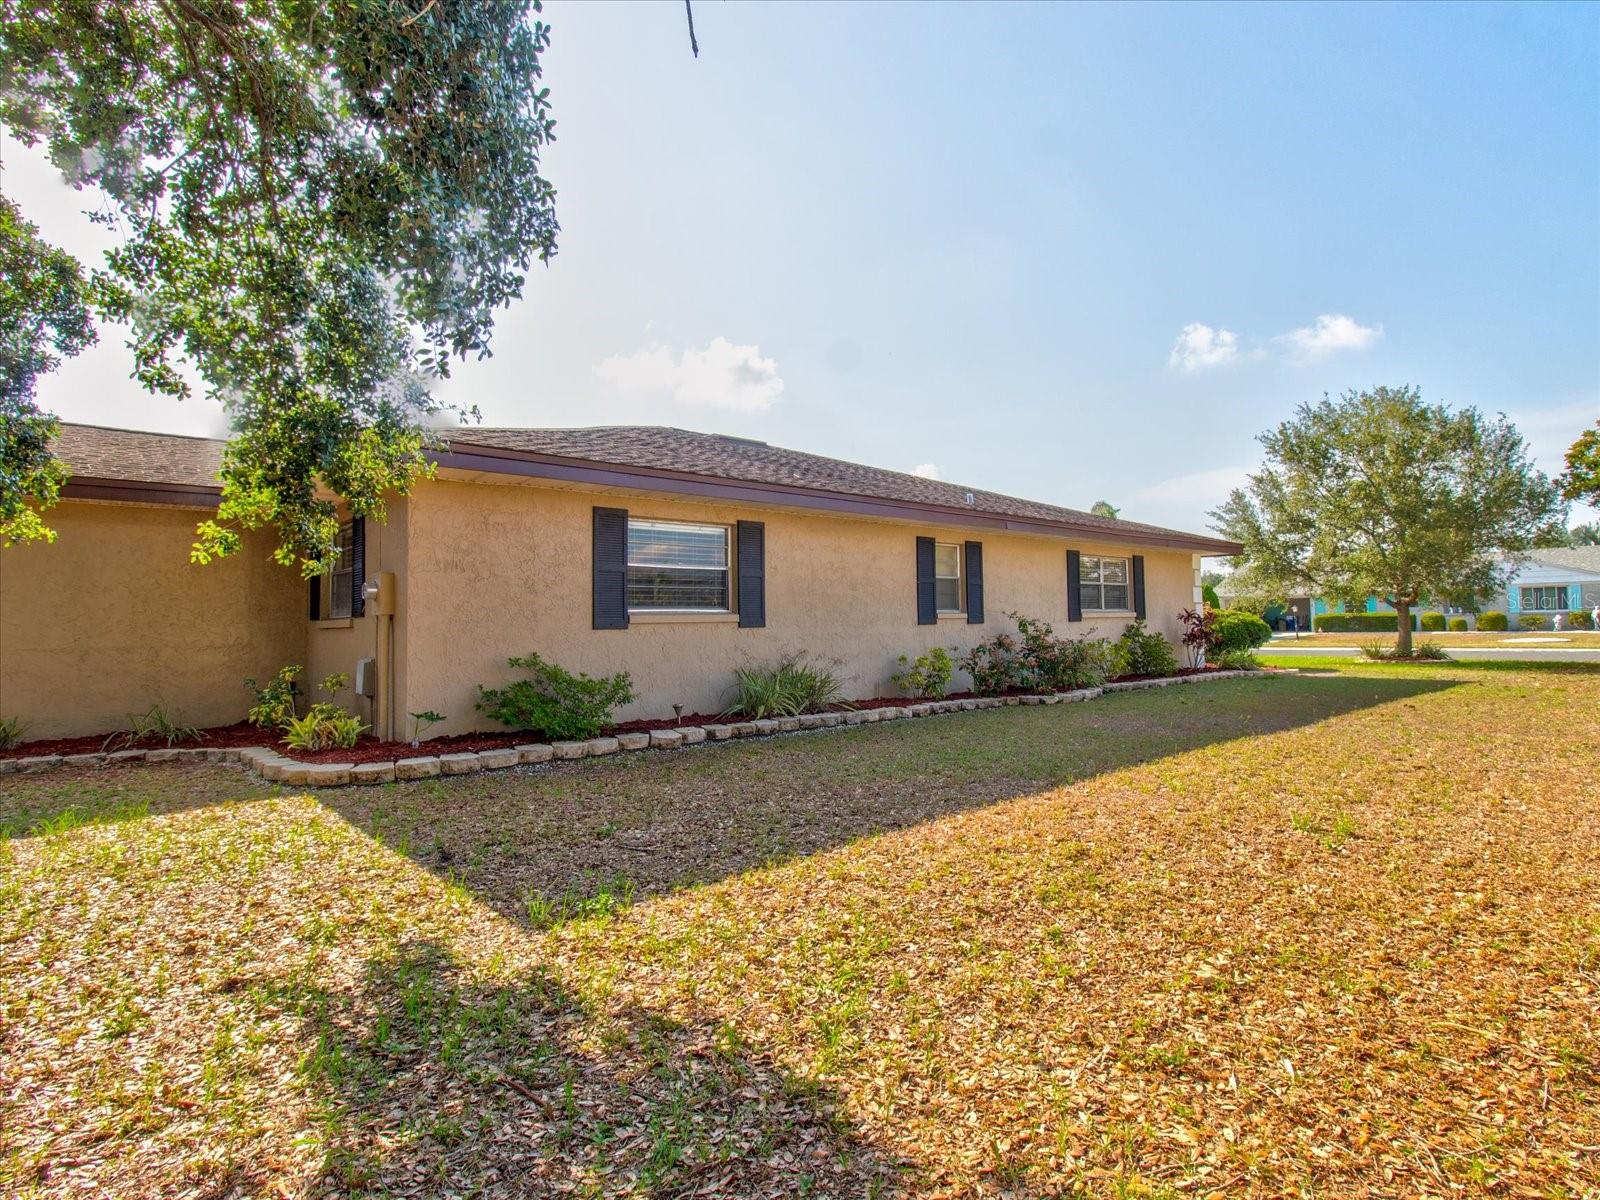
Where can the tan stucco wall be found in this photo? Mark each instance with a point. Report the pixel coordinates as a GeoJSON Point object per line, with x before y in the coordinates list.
{"type": "Point", "coordinates": [113, 618]}
{"type": "Point", "coordinates": [497, 569]}
{"type": "Point", "coordinates": [334, 647]}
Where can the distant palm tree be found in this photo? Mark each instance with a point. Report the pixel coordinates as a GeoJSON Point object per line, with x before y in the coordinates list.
{"type": "Point", "coordinates": [1587, 534]}
{"type": "Point", "coordinates": [1104, 508]}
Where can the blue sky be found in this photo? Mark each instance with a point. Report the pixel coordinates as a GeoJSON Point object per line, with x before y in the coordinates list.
{"type": "Point", "coordinates": [1069, 252]}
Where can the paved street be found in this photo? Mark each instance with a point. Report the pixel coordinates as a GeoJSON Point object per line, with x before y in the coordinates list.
{"type": "Point", "coordinates": [1503, 653]}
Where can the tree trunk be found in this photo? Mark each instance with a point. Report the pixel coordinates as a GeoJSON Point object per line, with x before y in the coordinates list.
{"type": "Point", "coordinates": [1402, 627]}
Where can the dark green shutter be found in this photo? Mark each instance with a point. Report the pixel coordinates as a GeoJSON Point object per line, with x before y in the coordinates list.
{"type": "Point", "coordinates": [314, 610]}
{"type": "Point", "coordinates": [1138, 586]}
{"type": "Point", "coordinates": [358, 567]}
{"type": "Point", "coordinates": [610, 568]}
{"type": "Point", "coordinates": [974, 557]}
{"type": "Point", "coordinates": [927, 592]}
{"type": "Point", "coordinates": [751, 549]}
{"type": "Point", "coordinates": [1074, 596]}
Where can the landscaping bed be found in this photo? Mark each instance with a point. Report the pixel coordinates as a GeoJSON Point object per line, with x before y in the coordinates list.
{"type": "Point", "coordinates": [370, 749]}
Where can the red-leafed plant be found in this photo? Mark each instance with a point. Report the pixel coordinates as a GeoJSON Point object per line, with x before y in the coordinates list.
{"type": "Point", "coordinates": [1199, 633]}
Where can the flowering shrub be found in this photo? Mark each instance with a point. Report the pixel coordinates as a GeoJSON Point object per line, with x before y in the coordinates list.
{"type": "Point", "coordinates": [1037, 659]}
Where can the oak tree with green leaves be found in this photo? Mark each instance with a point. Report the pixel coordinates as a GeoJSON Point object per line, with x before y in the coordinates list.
{"type": "Point", "coordinates": [1379, 493]}
{"type": "Point", "coordinates": [320, 203]}
{"type": "Point", "coordinates": [43, 317]}
{"type": "Point", "coordinates": [1582, 478]}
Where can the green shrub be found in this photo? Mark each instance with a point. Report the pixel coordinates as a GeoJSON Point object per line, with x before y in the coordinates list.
{"type": "Point", "coordinates": [1530, 621]}
{"type": "Point", "coordinates": [1492, 621]}
{"type": "Point", "coordinates": [1209, 597]}
{"type": "Point", "coordinates": [154, 726]}
{"type": "Point", "coordinates": [1432, 622]}
{"type": "Point", "coordinates": [422, 721]}
{"type": "Point", "coordinates": [1580, 618]}
{"type": "Point", "coordinates": [1384, 652]}
{"type": "Point", "coordinates": [793, 685]}
{"type": "Point", "coordinates": [324, 727]}
{"type": "Point", "coordinates": [1458, 625]}
{"type": "Point", "coordinates": [1235, 629]}
{"type": "Point", "coordinates": [1055, 664]}
{"type": "Point", "coordinates": [1237, 660]}
{"type": "Point", "coordinates": [11, 731]}
{"type": "Point", "coordinates": [274, 706]}
{"type": "Point", "coordinates": [555, 702]}
{"type": "Point", "coordinates": [1360, 622]}
{"type": "Point", "coordinates": [1140, 652]}
{"type": "Point", "coordinates": [815, 687]}
{"type": "Point", "coordinates": [928, 676]}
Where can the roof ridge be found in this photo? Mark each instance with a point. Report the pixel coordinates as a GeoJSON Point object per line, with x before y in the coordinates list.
{"type": "Point", "coordinates": [192, 437]}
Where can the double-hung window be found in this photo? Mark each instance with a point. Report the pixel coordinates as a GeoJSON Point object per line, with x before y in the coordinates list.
{"type": "Point", "coordinates": [677, 567]}
{"type": "Point", "coordinates": [341, 579]}
{"type": "Point", "coordinates": [947, 576]}
{"type": "Point", "coordinates": [1103, 584]}
{"type": "Point", "coordinates": [1544, 599]}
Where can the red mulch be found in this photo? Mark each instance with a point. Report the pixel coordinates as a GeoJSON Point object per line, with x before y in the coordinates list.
{"type": "Point", "coordinates": [370, 749]}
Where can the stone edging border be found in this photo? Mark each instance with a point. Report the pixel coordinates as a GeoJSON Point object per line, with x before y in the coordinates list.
{"type": "Point", "coordinates": [278, 768]}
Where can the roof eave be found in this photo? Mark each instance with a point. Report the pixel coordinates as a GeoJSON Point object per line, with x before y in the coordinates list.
{"type": "Point", "coordinates": [464, 455]}
{"type": "Point", "coordinates": [138, 491]}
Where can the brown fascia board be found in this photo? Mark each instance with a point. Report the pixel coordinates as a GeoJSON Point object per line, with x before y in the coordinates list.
{"type": "Point", "coordinates": [136, 491]}
{"type": "Point", "coordinates": [464, 456]}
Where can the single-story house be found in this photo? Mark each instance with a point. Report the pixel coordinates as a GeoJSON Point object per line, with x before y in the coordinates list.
{"type": "Point", "coordinates": [672, 555]}
{"type": "Point", "coordinates": [1542, 583]}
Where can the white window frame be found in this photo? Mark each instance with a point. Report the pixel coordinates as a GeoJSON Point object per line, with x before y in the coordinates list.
{"type": "Point", "coordinates": [1097, 586]}
{"type": "Point", "coordinates": [960, 576]}
{"type": "Point", "coordinates": [706, 526]}
{"type": "Point", "coordinates": [344, 569]}
{"type": "Point", "coordinates": [1559, 590]}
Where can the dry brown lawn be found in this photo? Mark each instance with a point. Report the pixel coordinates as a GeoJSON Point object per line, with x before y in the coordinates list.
{"type": "Point", "coordinates": [1327, 936]}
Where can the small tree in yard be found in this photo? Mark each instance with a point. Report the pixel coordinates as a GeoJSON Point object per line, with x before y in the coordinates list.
{"type": "Point", "coordinates": [1379, 493]}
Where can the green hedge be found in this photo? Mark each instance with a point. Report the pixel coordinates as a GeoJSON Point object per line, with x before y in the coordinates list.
{"type": "Point", "coordinates": [1432, 622]}
{"type": "Point", "coordinates": [1493, 621]}
{"type": "Point", "coordinates": [1358, 622]}
{"type": "Point", "coordinates": [1580, 618]}
{"type": "Point", "coordinates": [1458, 625]}
{"type": "Point", "coordinates": [1237, 630]}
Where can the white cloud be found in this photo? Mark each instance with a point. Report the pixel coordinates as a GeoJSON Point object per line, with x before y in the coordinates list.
{"type": "Point", "coordinates": [722, 376]}
{"type": "Point", "coordinates": [1198, 491]}
{"type": "Point", "coordinates": [926, 471]}
{"type": "Point", "coordinates": [1200, 346]}
{"type": "Point", "coordinates": [1331, 333]}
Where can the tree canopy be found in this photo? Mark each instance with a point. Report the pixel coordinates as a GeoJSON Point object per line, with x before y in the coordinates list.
{"type": "Point", "coordinates": [321, 203]}
{"type": "Point", "coordinates": [1378, 493]}
{"type": "Point", "coordinates": [1104, 508]}
{"type": "Point", "coordinates": [1582, 478]}
{"type": "Point", "coordinates": [42, 317]}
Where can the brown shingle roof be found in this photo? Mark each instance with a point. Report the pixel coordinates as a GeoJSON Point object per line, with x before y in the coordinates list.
{"type": "Point", "coordinates": [169, 461]}
{"type": "Point", "coordinates": [94, 452]}
{"type": "Point", "coordinates": [718, 456]}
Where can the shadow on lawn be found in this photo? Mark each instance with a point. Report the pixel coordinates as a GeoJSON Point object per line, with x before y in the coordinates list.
{"type": "Point", "coordinates": [432, 1081]}
{"type": "Point", "coordinates": [544, 845]}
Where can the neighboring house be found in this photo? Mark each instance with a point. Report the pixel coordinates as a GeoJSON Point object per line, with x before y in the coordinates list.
{"type": "Point", "coordinates": [672, 555]}
{"type": "Point", "coordinates": [1544, 583]}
